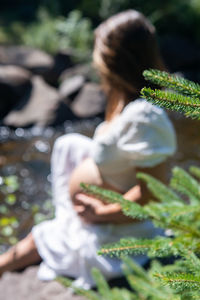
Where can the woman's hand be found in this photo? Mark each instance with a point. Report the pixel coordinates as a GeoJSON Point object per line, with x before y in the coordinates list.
{"type": "Point", "coordinates": [88, 208]}
{"type": "Point", "coordinates": [94, 211]}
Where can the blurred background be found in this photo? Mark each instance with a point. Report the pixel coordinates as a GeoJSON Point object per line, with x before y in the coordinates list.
{"type": "Point", "coordinates": [51, 44]}
{"type": "Point", "coordinates": [48, 87]}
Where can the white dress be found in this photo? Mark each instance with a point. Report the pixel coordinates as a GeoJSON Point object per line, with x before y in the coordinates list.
{"type": "Point", "coordinates": [141, 136]}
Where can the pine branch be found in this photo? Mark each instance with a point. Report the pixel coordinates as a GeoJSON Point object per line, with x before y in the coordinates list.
{"type": "Point", "coordinates": [184, 228]}
{"type": "Point", "coordinates": [187, 105]}
{"type": "Point", "coordinates": [180, 281]}
{"type": "Point", "coordinates": [159, 190]}
{"type": "Point", "coordinates": [158, 247]}
{"type": "Point", "coordinates": [103, 194]}
{"type": "Point", "coordinates": [123, 294]}
{"type": "Point", "coordinates": [102, 285]}
{"type": "Point", "coordinates": [89, 294]}
{"type": "Point", "coordinates": [173, 211]}
{"type": "Point", "coordinates": [130, 266]}
{"type": "Point", "coordinates": [130, 209]}
{"type": "Point", "coordinates": [146, 290]}
{"type": "Point", "coordinates": [134, 210]}
{"type": "Point", "coordinates": [186, 184]}
{"type": "Point", "coordinates": [174, 82]}
{"type": "Point", "coordinates": [195, 171]}
{"type": "Point", "coordinates": [191, 261]}
{"type": "Point", "coordinates": [143, 283]}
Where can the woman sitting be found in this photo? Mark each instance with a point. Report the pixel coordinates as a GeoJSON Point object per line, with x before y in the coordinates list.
{"type": "Point", "coordinates": [134, 136]}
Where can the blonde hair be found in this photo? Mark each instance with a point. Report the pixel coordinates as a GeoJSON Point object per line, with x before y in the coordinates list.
{"type": "Point", "coordinates": [125, 46]}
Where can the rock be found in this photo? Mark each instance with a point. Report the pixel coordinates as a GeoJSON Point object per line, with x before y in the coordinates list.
{"type": "Point", "coordinates": [180, 53]}
{"type": "Point", "coordinates": [15, 84]}
{"type": "Point", "coordinates": [84, 70]}
{"type": "Point", "coordinates": [14, 76]}
{"type": "Point", "coordinates": [89, 102]}
{"type": "Point", "coordinates": [26, 286]}
{"type": "Point", "coordinates": [32, 59]}
{"type": "Point", "coordinates": [42, 108]}
{"type": "Point", "coordinates": [70, 87]}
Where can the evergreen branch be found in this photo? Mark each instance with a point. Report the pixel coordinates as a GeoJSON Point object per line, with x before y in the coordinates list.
{"type": "Point", "coordinates": [180, 281]}
{"type": "Point", "coordinates": [103, 194]}
{"type": "Point", "coordinates": [134, 210]}
{"type": "Point", "coordinates": [126, 247]}
{"type": "Point", "coordinates": [191, 261]}
{"type": "Point", "coordinates": [186, 184]}
{"type": "Point", "coordinates": [159, 190]}
{"type": "Point", "coordinates": [174, 211]}
{"type": "Point", "coordinates": [157, 247]}
{"type": "Point", "coordinates": [123, 294]}
{"type": "Point", "coordinates": [189, 106]}
{"type": "Point", "coordinates": [184, 228]}
{"type": "Point", "coordinates": [130, 209]}
{"type": "Point", "coordinates": [102, 285]}
{"type": "Point", "coordinates": [143, 283]}
{"type": "Point", "coordinates": [195, 171]}
{"type": "Point", "coordinates": [146, 290]}
{"type": "Point", "coordinates": [174, 82]}
{"type": "Point", "coordinates": [130, 266]}
{"type": "Point", "coordinates": [89, 294]}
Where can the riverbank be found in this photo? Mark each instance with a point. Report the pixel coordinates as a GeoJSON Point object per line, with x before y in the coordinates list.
{"type": "Point", "coordinates": [26, 286]}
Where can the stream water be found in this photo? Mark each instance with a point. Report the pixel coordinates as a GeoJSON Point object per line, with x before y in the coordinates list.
{"type": "Point", "coordinates": [25, 153]}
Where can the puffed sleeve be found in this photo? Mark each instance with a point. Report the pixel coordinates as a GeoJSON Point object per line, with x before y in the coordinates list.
{"type": "Point", "coordinates": [142, 136]}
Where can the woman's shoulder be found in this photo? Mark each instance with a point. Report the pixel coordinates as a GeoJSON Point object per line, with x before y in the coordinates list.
{"type": "Point", "coordinates": [142, 111]}
{"type": "Point", "coordinates": [141, 108]}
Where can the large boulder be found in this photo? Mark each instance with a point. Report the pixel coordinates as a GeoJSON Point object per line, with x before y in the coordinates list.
{"type": "Point", "coordinates": [15, 84]}
{"type": "Point", "coordinates": [89, 102]}
{"type": "Point", "coordinates": [42, 108]}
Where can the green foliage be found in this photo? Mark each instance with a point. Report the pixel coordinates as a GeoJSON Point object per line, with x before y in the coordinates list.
{"type": "Point", "coordinates": [54, 34]}
{"type": "Point", "coordinates": [176, 99]}
{"type": "Point", "coordinates": [180, 280]}
{"type": "Point", "coordinates": [186, 184]}
{"type": "Point", "coordinates": [174, 82]}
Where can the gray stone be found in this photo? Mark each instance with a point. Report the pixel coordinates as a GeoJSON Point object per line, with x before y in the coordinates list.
{"type": "Point", "coordinates": [89, 102]}
{"type": "Point", "coordinates": [85, 70]}
{"type": "Point", "coordinates": [14, 76]}
{"type": "Point", "coordinates": [39, 109]}
{"type": "Point", "coordinates": [71, 86]}
{"type": "Point", "coordinates": [34, 60]}
{"type": "Point", "coordinates": [15, 84]}
{"type": "Point", "coordinates": [26, 286]}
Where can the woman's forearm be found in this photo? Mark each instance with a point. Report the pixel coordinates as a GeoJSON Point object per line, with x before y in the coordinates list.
{"type": "Point", "coordinates": [112, 213]}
